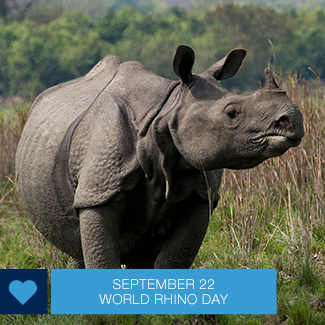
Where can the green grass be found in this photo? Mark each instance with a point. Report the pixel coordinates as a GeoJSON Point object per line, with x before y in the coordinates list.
{"type": "Point", "coordinates": [272, 216]}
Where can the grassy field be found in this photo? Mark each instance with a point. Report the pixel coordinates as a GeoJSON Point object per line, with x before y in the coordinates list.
{"type": "Point", "coordinates": [272, 216]}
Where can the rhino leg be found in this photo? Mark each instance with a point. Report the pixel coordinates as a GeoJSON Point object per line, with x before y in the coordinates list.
{"type": "Point", "coordinates": [180, 249]}
{"type": "Point", "coordinates": [76, 264]}
{"type": "Point", "coordinates": [99, 229]}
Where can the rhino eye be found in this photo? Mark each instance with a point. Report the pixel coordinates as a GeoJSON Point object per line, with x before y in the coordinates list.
{"type": "Point", "coordinates": [233, 114]}
{"type": "Point", "coordinates": [233, 110]}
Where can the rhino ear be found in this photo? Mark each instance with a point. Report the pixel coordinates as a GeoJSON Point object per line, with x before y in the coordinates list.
{"type": "Point", "coordinates": [228, 66]}
{"type": "Point", "coordinates": [183, 63]}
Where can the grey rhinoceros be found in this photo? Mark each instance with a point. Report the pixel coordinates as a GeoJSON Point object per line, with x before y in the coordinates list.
{"type": "Point", "coordinates": [122, 166]}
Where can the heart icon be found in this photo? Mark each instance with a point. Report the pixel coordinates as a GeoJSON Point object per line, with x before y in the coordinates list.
{"type": "Point", "coordinates": [22, 291]}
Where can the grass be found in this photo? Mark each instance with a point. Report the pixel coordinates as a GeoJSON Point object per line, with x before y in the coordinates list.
{"type": "Point", "coordinates": [272, 216]}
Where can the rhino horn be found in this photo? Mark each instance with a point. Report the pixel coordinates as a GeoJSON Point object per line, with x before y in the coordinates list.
{"type": "Point", "coordinates": [270, 83]}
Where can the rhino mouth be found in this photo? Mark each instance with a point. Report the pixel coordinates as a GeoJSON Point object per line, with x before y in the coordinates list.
{"type": "Point", "coordinates": [276, 144]}
{"type": "Point", "coordinates": [288, 139]}
{"type": "Point", "coordinates": [264, 147]}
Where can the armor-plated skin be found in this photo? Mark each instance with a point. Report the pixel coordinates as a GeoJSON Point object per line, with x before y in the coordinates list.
{"type": "Point", "coordinates": [123, 167]}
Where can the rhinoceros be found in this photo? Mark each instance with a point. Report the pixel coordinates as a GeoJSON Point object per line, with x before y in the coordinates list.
{"type": "Point", "coordinates": [122, 167]}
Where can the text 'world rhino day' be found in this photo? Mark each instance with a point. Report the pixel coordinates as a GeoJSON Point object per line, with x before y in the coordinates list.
{"type": "Point", "coordinates": [130, 285]}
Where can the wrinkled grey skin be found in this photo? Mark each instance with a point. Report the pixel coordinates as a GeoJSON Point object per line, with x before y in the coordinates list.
{"type": "Point", "coordinates": [118, 167]}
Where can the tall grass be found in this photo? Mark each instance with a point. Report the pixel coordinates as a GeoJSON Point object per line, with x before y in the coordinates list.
{"type": "Point", "coordinates": [11, 126]}
{"type": "Point", "coordinates": [271, 216]}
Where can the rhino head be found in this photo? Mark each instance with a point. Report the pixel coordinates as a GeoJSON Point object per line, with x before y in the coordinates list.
{"type": "Point", "coordinates": [214, 129]}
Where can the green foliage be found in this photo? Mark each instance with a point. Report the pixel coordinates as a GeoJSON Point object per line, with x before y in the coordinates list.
{"type": "Point", "coordinates": [27, 56]}
{"type": "Point", "coordinates": [36, 57]}
{"type": "Point", "coordinates": [56, 46]}
{"type": "Point", "coordinates": [74, 44]}
{"type": "Point", "coordinates": [310, 41]}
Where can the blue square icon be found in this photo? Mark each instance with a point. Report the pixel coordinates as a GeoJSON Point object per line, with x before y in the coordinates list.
{"type": "Point", "coordinates": [23, 291]}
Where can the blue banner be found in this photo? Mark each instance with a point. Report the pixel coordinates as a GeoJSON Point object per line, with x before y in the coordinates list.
{"type": "Point", "coordinates": [163, 291]}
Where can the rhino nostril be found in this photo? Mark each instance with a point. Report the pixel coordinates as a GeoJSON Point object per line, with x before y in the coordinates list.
{"type": "Point", "coordinates": [284, 122]}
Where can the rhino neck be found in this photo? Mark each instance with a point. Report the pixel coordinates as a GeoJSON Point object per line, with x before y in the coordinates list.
{"type": "Point", "coordinates": [170, 176]}
{"type": "Point", "coordinates": [146, 118]}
